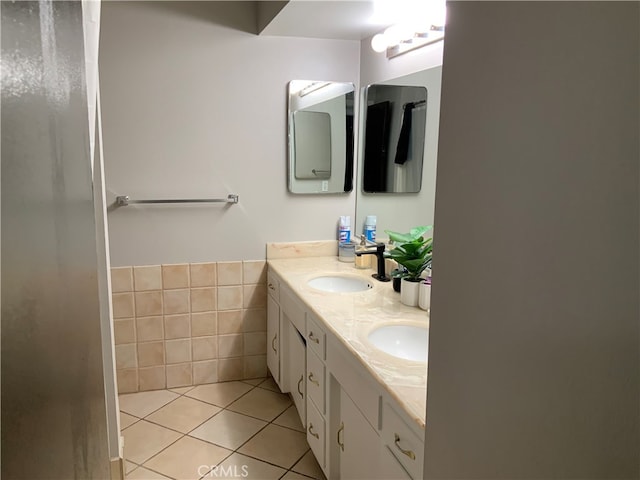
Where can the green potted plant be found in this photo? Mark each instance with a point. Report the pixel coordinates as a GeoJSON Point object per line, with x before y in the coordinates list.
{"type": "Point", "coordinates": [413, 253]}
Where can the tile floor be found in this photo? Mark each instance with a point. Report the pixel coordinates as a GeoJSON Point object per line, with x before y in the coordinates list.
{"type": "Point", "coordinates": [245, 429]}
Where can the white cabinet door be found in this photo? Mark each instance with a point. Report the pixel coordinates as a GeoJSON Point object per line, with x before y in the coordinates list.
{"type": "Point", "coordinates": [273, 338]}
{"type": "Point", "coordinates": [358, 443]}
{"type": "Point", "coordinates": [296, 358]}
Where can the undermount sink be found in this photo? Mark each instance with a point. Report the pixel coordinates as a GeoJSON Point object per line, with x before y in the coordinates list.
{"type": "Point", "coordinates": [402, 341]}
{"type": "Point", "coordinates": [339, 283]}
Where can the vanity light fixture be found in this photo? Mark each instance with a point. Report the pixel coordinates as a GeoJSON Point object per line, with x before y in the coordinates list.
{"type": "Point", "coordinates": [416, 23]}
{"type": "Point", "coordinates": [397, 40]}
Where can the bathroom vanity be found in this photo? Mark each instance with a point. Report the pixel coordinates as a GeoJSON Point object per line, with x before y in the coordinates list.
{"type": "Point", "coordinates": [363, 409]}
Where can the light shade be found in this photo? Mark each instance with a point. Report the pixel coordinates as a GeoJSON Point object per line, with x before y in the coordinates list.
{"type": "Point", "coordinates": [379, 43]}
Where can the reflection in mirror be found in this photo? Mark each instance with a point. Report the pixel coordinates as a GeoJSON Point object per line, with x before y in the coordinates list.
{"type": "Point", "coordinates": [320, 139]}
{"type": "Point", "coordinates": [401, 212]}
{"type": "Point", "coordinates": [395, 122]}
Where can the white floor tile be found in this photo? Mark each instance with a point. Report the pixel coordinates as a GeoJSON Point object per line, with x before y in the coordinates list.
{"type": "Point", "coordinates": [220, 394]}
{"type": "Point", "coordinates": [183, 414]}
{"type": "Point", "coordinates": [241, 466]}
{"type": "Point", "coordinates": [142, 404]}
{"type": "Point", "coordinates": [278, 445]}
{"type": "Point", "coordinates": [143, 440]}
{"type": "Point", "coordinates": [142, 473]}
{"type": "Point", "coordinates": [228, 429]}
{"type": "Point", "coordinates": [188, 458]}
{"type": "Point", "coordinates": [262, 404]}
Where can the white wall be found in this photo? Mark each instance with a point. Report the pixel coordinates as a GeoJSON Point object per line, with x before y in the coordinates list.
{"type": "Point", "coordinates": [376, 67]}
{"type": "Point", "coordinates": [534, 361]}
{"type": "Point", "coordinates": [193, 106]}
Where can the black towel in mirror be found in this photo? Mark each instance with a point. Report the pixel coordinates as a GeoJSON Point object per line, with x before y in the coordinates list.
{"type": "Point", "coordinates": [402, 151]}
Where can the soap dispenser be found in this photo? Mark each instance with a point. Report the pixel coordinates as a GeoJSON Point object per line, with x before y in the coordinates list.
{"type": "Point", "coordinates": [362, 261]}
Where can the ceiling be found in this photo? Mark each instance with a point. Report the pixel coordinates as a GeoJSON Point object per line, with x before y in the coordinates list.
{"type": "Point", "coordinates": [336, 19]}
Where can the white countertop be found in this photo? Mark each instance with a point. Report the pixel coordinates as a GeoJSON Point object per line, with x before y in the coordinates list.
{"type": "Point", "coordinates": [351, 316]}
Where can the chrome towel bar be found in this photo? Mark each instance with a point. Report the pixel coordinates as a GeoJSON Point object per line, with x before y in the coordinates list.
{"type": "Point", "coordinates": [124, 200]}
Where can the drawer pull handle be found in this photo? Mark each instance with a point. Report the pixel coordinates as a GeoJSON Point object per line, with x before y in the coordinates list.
{"type": "Point", "coordinates": [313, 380]}
{"type": "Point", "coordinates": [313, 338]}
{"type": "Point", "coordinates": [273, 343]}
{"type": "Point", "coordinates": [310, 429]}
{"type": "Point", "coordinates": [299, 382]}
{"type": "Point", "coordinates": [272, 287]}
{"type": "Point", "coordinates": [408, 453]}
{"type": "Point", "coordinates": [341, 429]}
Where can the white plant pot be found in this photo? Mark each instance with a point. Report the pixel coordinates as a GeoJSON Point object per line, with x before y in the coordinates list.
{"type": "Point", "coordinates": [424, 300]}
{"type": "Point", "coordinates": [409, 293]}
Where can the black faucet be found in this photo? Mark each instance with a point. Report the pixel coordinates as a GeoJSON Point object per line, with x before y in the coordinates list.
{"type": "Point", "coordinates": [379, 253]}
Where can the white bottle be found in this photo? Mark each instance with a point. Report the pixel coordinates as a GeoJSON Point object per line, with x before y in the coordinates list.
{"type": "Point", "coordinates": [344, 229]}
{"type": "Point", "coordinates": [370, 228]}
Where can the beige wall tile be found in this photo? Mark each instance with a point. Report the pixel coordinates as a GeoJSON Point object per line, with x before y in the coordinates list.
{"type": "Point", "coordinates": [178, 351]}
{"type": "Point", "coordinates": [150, 354]}
{"type": "Point", "coordinates": [122, 305]}
{"type": "Point", "coordinates": [230, 369]}
{"type": "Point", "coordinates": [230, 298]}
{"type": "Point", "coordinates": [176, 301]}
{"type": "Point", "coordinates": [121, 279]}
{"type": "Point", "coordinates": [147, 278]}
{"type": "Point", "coordinates": [254, 271]}
{"type": "Point", "coordinates": [255, 343]}
{"type": "Point", "coordinates": [204, 324]}
{"type": "Point", "coordinates": [255, 366]}
{"type": "Point", "coordinates": [229, 273]}
{"type": "Point", "coordinates": [230, 345]}
{"type": "Point", "coordinates": [203, 299]}
{"type": "Point", "coordinates": [177, 326]}
{"type": "Point", "coordinates": [203, 274]}
{"type": "Point", "coordinates": [179, 375]}
{"type": "Point", "coordinates": [254, 296]}
{"type": "Point", "coordinates": [148, 303]}
{"type": "Point", "coordinates": [205, 348]}
{"type": "Point", "coordinates": [205, 372]}
{"type": "Point", "coordinates": [124, 331]}
{"type": "Point", "coordinates": [254, 320]}
{"type": "Point", "coordinates": [175, 276]}
{"type": "Point", "coordinates": [127, 380]}
{"type": "Point", "coordinates": [126, 356]}
{"type": "Point", "coordinates": [149, 328]}
{"type": "Point", "coordinates": [230, 321]}
{"type": "Point", "coordinates": [152, 378]}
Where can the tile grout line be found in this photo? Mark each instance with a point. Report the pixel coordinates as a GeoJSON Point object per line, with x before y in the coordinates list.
{"type": "Point", "coordinates": [182, 435]}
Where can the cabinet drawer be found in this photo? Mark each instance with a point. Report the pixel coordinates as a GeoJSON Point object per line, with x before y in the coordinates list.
{"type": "Point", "coordinates": [316, 433]}
{"type": "Point", "coordinates": [316, 336]}
{"type": "Point", "coordinates": [405, 445]}
{"type": "Point", "coordinates": [390, 468]}
{"type": "Point", "coordinates": [316, 380]}
{"type": "Point", "coordinates": [273, 286]}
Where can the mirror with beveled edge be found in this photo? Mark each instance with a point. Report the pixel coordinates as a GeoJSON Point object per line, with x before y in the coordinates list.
{"type": "Point", "coordinates": [320, 136]}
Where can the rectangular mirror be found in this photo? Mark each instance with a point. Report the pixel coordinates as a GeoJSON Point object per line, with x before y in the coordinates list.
{"type": "Point", "coordinates": [395, 122]}
{"type": "Point", "coordinates": [402, 211]}
{"type": "Point", "coordinates": [320, 136]}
